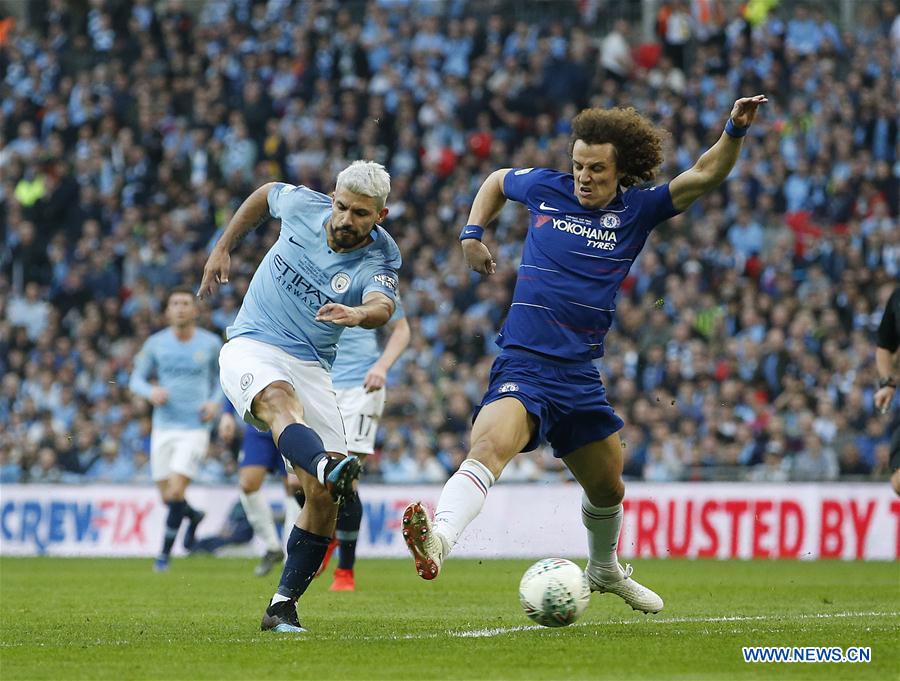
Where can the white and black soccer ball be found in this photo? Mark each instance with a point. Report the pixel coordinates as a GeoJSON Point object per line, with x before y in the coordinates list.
{"type": "Point", "coordinates": [554, 592]}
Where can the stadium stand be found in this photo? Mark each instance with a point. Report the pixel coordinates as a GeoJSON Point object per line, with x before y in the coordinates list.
{"type": "Point", "coordinates": [130, 131]}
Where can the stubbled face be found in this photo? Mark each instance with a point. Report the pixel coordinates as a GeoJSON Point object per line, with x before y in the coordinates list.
{"type": "Point", "coordinates": [353, 216]}
{"type": "Point", "coordinates": [181, 310]}
{"type": "Point", "coordinates": [596, 173]}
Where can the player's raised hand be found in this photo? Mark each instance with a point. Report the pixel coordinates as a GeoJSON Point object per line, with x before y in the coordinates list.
{"type": "Point", "coordinates": [375, 378]}
{"type": "Point", "coordinates": [214, 272]}
{"type": "Point", "coordinates": [744, 110]}
{"type": "Point", "coordinates": [478, 257]}
{"type": "Point", "coordinates": [342, 315]}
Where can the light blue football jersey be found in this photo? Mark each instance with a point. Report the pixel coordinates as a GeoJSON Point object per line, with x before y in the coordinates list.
{"type": "Point", "coordinates": [300, 274]}
{"type": "Point", "coordinates": [189, 370]}
{"type": "Point", "coordinates": [357, 351]}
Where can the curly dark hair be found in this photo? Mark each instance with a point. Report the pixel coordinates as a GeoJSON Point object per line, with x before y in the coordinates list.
{"type": "Point", "coordinates": [637, 142]}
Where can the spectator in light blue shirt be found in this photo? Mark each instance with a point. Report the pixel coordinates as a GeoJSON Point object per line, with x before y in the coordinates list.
{"type": "Point", "coordinates": [746, 235]}
{"type": "Point", "coordinates": [110, 467]}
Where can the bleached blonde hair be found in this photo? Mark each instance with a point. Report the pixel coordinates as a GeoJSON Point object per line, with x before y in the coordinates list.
{"type": "Point", "coordinates": [367, 178]}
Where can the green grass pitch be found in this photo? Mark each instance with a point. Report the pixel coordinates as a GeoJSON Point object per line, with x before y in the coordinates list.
{"type": "Point", "coordinates": [116, 619]}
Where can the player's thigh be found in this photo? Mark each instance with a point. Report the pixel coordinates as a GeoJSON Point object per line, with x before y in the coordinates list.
{"type": "Point", "coordinates": [597, 466]}
{"type": "Point", "coordinates": [501, 430]}
{"type": "Point", "coordinates": [162, 447]}
{"type": "Point", "coordinates": [251, 477]}
{"type": "Point", "coordinates": [247, 368]}
{"type": "Point", "coordinates": [188, 453]}
{"type": "Point", "coordinates": [361, 412]}
{"type": "Point", "coordinates": [312, 384]}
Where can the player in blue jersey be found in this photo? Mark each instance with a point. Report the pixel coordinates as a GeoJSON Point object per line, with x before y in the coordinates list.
{"type": "Point", "coordinates": [183, 360]}
{"type": "Point", "coordinates": [332, 267]}
{"type": "Point", "coordinates": [359, 374]}
{"type": "Point", "coordinates": [260, 456]}
{"type": "Point", "coordinates": [586, 228]}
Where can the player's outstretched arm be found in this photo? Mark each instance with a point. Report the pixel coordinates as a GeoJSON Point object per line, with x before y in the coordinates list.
{"type": "Point", "coordinates": [713, 167]}
{"type": "Point", "coordinates": [252, 213]}
{"type": "Point", "coordinates": [488, 203]}
{"type": "Point", "coordinates": [376, 309]}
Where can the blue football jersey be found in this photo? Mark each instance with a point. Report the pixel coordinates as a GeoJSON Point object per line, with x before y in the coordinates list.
{"type": "Point", "coordinates": [573, 262]}
{"type": "Point", "coordinates": [301, 273]}
{"type": "Point", "coordinates": [357, 351]}
{"type": "Point", "coordinates": [189, 370]}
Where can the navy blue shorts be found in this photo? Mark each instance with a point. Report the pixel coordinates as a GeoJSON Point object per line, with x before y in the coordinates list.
{"type": "Point", "coordinates": [568, 399]}
{"type": "Point", "coordinates": [260, 450]}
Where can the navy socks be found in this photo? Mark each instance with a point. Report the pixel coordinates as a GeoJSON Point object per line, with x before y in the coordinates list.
{"type": "Point", "coordinates": [301, 446]}
{"type": "Point", "coordinates": [348, 523]}
{"type": "Point", "coordinates": [305, 552]}
{"type": "Point", "coordinates": [177, 511]}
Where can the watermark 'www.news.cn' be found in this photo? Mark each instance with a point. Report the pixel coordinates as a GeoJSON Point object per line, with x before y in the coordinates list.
{"type": "Point", "coordinates": [837, 654]}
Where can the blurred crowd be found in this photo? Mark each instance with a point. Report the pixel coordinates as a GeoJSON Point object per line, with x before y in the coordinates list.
{"type": "Point", "coordinates": [743, 347]}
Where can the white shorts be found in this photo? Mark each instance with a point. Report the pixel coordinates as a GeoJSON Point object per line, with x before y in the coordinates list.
{"type": "Point", "coordinates": [247, 366]}
{"type": "Point", "coordinates": [362, 412]}
{"type": "Point", "coordinates": [177, 451]}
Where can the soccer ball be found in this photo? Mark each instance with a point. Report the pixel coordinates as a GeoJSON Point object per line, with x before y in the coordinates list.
{"type": "Point", "coordinates": [554, 592]}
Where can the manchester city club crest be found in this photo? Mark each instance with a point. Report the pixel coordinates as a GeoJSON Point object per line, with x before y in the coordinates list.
{"type": "Point", "coordinates": [246, 380]}
{"type": "Point", "coordinates": [340, 282]}
{"type": "Point", "coordinates": [609, 221]}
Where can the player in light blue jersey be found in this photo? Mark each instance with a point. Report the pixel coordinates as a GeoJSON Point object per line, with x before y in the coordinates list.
{"type": "Point", "coordinates": [332, 267]}
{"type": "Point", "coordinates": [183, 360]}
{"type": "Point", "coordinates": [586, 229]}
{"type": "Point", "coordinates": [359, 374]}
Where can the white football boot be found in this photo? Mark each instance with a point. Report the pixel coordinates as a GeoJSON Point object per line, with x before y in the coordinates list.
{"type": "Point", "coordinates": [426, 546]}
{"type": "Point", "coordinates": [639, 597]}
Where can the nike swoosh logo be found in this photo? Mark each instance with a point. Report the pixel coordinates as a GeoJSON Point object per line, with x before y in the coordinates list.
{"type": "Point", "coordinates": [544, 206]}
{"type": "Point", "coordinates": [470, 231]}
{"type": "Point", "coordinates": [296, 243]}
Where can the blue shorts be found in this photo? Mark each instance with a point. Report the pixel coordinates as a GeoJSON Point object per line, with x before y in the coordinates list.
{"type": "Point", "coordinates": [568, 399]}
{"type": "Point", "coordinates": [260, 450]}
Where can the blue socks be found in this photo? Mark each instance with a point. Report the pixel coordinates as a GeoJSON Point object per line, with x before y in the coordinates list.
{"type": "Point", "coordinates": [305, 552]}
{"type": "Point", "coordinates": [301, 446]}
{"type": "Point", "coordinates": [348, 523]}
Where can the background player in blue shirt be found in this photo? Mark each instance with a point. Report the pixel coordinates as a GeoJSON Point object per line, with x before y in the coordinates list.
{"type": "Point", "coordinates": [359, 375]}
{"type": "Point", "coordinates": [332, 267]}
{"type": "Point", "coordinates": [183, 360]}
{"type": "Point", "coordinates": [586, 229]}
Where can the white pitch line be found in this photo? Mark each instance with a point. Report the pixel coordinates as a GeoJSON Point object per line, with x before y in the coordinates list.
{"type": "Point", "coordinates": [502, 631]}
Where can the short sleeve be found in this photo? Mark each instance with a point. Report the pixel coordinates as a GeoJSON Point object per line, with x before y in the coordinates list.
{"type": "Point", "coordinates": [276, 198]}
{"type": "Point", "coordinates": [382, 280]}
{"type": "Point", "coordinates": [399, 312]}
{"type": "Point", "coordinates": [656, 205]}
{"type": "Point", "coordinates": [519, 181]}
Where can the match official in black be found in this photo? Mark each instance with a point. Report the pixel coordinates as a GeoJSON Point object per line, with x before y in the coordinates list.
{"type": "Point", "coordinates": [887, 343]}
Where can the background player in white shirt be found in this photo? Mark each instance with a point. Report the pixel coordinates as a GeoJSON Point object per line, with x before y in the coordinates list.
{"type": "Point", "coordinates": [359, 375]}
{"type": "Point", "coordinates": [186, 397]}
{"type": "Point", "coordinates": [332, 267]}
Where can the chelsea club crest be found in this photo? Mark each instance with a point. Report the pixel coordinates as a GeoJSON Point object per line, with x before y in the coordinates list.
{"type": "Point", "coordinates": [610, 221]}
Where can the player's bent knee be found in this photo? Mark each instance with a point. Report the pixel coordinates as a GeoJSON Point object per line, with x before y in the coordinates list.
{"type": "Point", "coordinates": [492, 452]}
{"type": "Point", "coordinates": [275, 399]}
{"type": "Point", "coordinates": [604, 494]}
